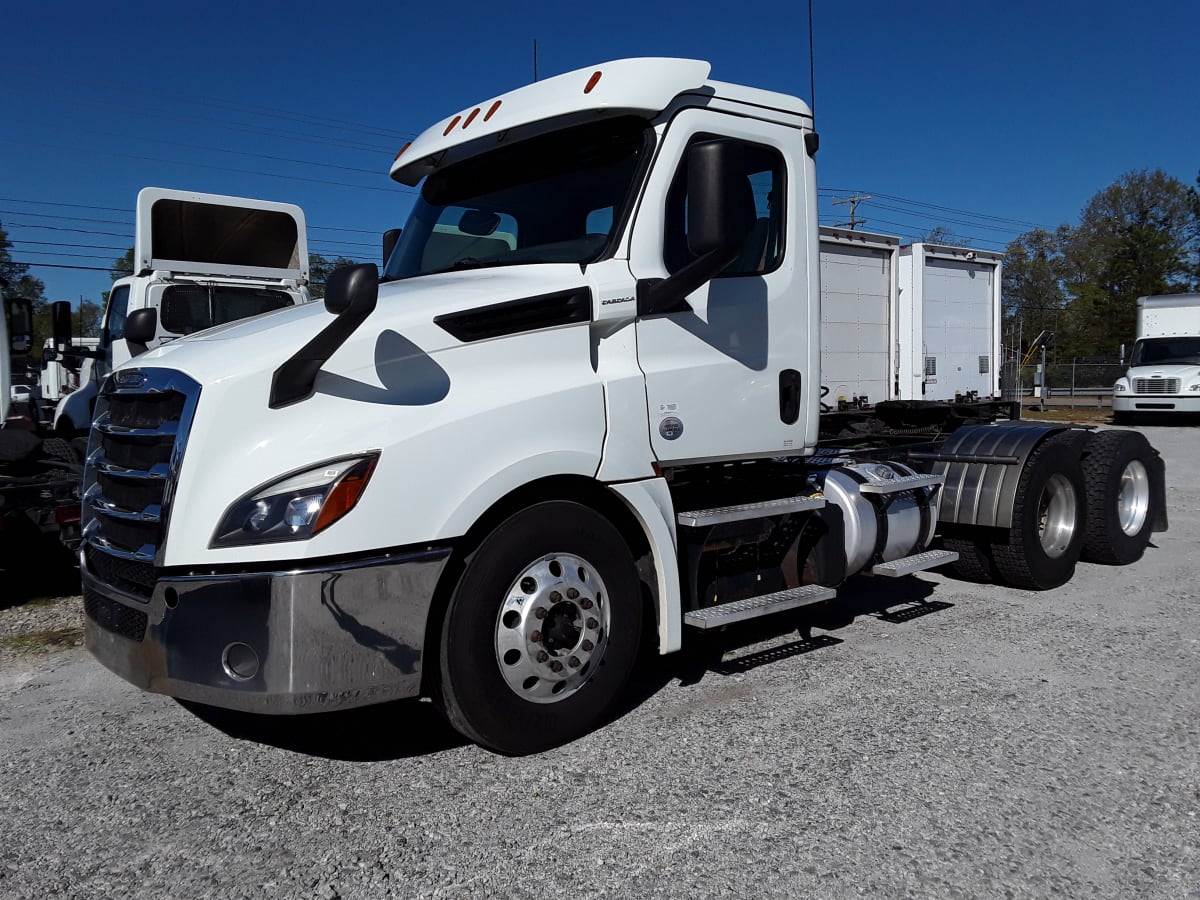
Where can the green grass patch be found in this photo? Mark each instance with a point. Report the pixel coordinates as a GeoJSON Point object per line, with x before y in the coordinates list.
{"type": "Point", "coordinates": [50, 639]}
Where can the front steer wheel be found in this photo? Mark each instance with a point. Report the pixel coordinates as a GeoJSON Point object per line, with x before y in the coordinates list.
{"type": "Point", "coordinates": [542, 630]}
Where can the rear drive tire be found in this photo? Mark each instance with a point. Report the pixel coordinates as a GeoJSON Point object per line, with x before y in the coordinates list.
{"type": "Point", "coordinates": [973, 563]}
{"type": "Point", "coordinates": [542, 630]}
{"type": "Point", "coordinates": [1119, 470]}
{"type": "Point", "coordinates": [1049, 517]}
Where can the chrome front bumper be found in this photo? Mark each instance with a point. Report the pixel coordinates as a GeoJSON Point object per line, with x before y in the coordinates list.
{"type": "Point", "coordinates": [276, 642]}
{"type": "Point", "coordinates": [1156, 403]}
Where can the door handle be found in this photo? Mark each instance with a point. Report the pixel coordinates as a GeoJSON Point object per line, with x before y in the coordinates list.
{"type": "Point", "coordinates": [789, 396]}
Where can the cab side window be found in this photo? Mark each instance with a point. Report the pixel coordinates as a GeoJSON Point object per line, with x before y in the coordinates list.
{"type": "Point", "coordinates": [118, 310]}
{"type": "Point", "coordinates": [762, 251]}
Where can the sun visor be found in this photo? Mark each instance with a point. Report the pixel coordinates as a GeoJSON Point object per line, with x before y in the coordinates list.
{"type": "Point", "coordinates": [642, 86]}
{"type": "Point", "coordinates": [210, 234]}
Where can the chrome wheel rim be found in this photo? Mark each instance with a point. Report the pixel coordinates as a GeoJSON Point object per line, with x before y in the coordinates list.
{"type": "Point", "coordinates": [1133, 497]}
{"type": "Point", "coordinates": [1057, 515]}
{"type": "Point", "coordinates": [552, 628]}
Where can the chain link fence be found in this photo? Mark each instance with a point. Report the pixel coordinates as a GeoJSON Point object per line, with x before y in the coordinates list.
{"type": "Point", "coordinates": [1082, 381]}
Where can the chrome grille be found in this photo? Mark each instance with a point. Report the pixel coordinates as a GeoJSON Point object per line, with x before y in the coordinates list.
{"type": "Point", "coordinates": [136, 447]}
{"type": "Point", "coordinates": [1156, 385]}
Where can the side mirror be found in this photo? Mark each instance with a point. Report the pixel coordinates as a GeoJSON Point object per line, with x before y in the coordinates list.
{"type": "Point", "coordinates": [140, 328]}
{"type": "Point", "coordinates": [351, 288]}
{"type": "Point", "coordinates": [720, 208]}
{"type": "Point", "coordinates": [20, 324]}
{"type": "Point", "coordinates": [60, 318]}
{"type": "Point", "coordinates": [390, 238]}
{"type": "Point", "coordinates": [350, 294]}
{"type": "Point", "coordinates": [720, 214]}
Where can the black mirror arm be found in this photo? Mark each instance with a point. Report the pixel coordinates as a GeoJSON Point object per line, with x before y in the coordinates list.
{"type": "Point", "coordinates": [669, 295]}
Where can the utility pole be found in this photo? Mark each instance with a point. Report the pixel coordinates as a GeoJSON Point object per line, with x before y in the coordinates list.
{"type": "Point", "coordinates": [853, 204]}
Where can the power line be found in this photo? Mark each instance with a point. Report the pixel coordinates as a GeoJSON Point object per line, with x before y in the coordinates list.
{"type": "Point", "coordinates": [126, 209]}
{"type": "Point", "coordinates": [200, 100]}
{"type": "Point", "coordinates": [302, 162]}
{"type": "Point", "coordinates": [1019, 222]}
{"type": "Point", "coordinates": [197, 165]}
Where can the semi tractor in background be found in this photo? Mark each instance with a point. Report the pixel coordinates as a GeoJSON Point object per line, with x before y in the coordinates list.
{"type": "Point", "coordinates": [1164, 368]}
{"type": "Point", "coordinates": [484, 477]}
{"type": "Point", "coordinates": [200, 261]}
{"type": "Point", "coordinates": [40, 478]}
{"type": "Point", "coordinates": [907, 322]}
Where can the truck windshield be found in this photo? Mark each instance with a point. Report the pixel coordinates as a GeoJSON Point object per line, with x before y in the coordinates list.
{"type": "Point", "coordinates": [1168, 351]}
{"type": "Point", "coordinates": [193, 307]}
{"type": "Point", "coordinates": [557, 198]}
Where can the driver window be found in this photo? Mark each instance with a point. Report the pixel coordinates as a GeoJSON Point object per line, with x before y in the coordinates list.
{"type": "Point", "coordinates": [762, 251]}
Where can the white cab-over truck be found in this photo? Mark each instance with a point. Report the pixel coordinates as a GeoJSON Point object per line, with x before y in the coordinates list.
{"type": "Point", "coordinates": [477, 477]}
{"type": "Point", "coordinates": [1164, 369]}
{"type": "Point", "coordinates": [199, 260]}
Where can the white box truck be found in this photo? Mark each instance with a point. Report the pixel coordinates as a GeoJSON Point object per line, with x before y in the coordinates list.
{"type": "Point", "coordinates": [860, 350]}
{"type": "Point", "coordinates": [200, 261]}
{"type": "Point", "coordinates": [1164, 368]}
{"type": "Point", "coordinates": [477, 477]}
{"type": "Point", "coordinates": [949, 308]}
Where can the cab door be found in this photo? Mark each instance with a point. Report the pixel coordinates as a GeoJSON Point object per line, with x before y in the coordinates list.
{"type": "Point", "coordinates": [727, 378]}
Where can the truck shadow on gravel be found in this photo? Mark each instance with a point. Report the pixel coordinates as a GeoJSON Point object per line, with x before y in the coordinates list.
{"type": "Point", "coordinates": [736, 649]}
{"type": "Point", "coordinates": [34, 566]}
{"type": "Point", "coordinates": [407, 728]}
{"type": "Point", "coordinates": [385, 731]}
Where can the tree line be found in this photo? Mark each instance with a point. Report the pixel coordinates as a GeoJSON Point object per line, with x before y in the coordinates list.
{"type": "Point", "coordinates": [1137, 237]}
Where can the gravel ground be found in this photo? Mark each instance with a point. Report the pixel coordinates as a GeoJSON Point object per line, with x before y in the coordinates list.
{"type": "Point", "coordinates": [951, 740]}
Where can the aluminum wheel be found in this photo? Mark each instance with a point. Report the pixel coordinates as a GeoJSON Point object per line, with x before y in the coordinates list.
{"type": "Point", "coordinates": [1133, 501]}
{"type": "Point", "coordinates": [552, 628]}
{"type": "Point", "coordinates": [1057, 515]}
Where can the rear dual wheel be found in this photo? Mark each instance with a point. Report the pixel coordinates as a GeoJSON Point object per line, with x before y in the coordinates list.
{"type": "Point", "coordinates": [1120, 469]}
{"type": "Point", "coordinates": [1040, 550]}
{"type": "Point", "coordinates": [542, 630]}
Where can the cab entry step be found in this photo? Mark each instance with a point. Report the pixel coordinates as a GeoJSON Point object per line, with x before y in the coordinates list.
{"type": "Point", "coordinates": [753, 607]}
{"type": "Point", "coordinates": [698, 518]}
{"type": "Point", "coordinates": [918, 562]}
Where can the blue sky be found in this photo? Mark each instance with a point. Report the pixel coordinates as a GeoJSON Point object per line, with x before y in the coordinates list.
{"type": "Point", "coordinates": [1007, 113]}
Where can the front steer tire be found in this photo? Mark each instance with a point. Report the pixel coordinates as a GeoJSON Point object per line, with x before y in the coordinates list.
{"type": "Point", "coordinates": [1049, 516]}
{"type": "Point", "coordinates": [541, 632]}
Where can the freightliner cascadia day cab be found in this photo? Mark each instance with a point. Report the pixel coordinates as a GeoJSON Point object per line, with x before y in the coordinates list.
{"type": "Point", "coordinates": [200, 260]}
{"type": "Point", "coordinates": [477, 477]}
{"type": "Point", "coordinates": [1164, 369]}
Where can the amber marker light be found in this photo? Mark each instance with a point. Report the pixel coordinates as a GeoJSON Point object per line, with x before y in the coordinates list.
{"type": "Point", "coordinates": [345, 494]}
{"type": "Point", "coordinates": [400, 152]}
{"type": "Point", "coordinates": [471, 117]}
{"type": "Point", "coordinates": [450, 127]}
{"type": "Point", "coordinates": [593, 81]}
{"type": "Point", "coordinates": [492, 111]}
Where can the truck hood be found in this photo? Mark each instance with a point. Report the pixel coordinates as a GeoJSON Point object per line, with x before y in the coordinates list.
{"type": "Point", "coordinates": [401, 325]}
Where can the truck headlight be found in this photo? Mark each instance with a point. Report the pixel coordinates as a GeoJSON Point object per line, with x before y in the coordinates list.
{"type": "Point", "coordinates": [1194, 387]}
{"type": "Point", "coordinates": [1120, 387]}
{"type": "Point", "coordinates": [297, 506]}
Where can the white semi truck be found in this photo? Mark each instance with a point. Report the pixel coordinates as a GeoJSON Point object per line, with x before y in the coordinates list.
{"type": "Point", "coordinates": [477, 477]}
{"type": "Point", "coordinates": [1164, 369]}
{"type": "Point", "coordinates": [200, 260]}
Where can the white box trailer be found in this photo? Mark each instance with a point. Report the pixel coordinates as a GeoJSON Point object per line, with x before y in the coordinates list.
{"type": "Point", "coordinates": [859, 358]}
{"type": "Point", "coordinates": [948, 323]}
